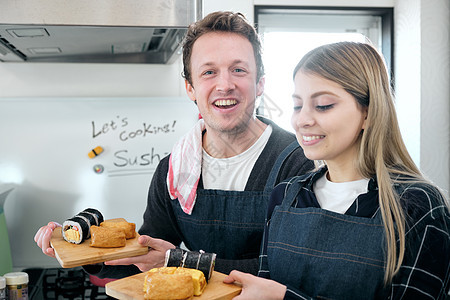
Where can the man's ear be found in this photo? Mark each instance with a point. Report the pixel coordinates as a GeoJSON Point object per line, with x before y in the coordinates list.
{"type": "Point", "coordinates": [190, 90]}
{"type": "Point", "coordinates": [260, 86]}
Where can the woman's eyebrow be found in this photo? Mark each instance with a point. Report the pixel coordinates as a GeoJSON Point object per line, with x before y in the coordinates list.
{"type": "Point", "coordinates": [316, 94]}
{"type": "Point", "coordinates": [320, 93]}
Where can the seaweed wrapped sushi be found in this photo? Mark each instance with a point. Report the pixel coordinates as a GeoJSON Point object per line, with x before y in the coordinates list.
{"type": "Point", "coordinates": [77, 229]}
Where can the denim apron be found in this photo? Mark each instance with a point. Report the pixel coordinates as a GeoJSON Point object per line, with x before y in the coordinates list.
{"type": "Point", "coordinates": [229, 223]}
{"type": "Point", "coordinates": [324, 254]}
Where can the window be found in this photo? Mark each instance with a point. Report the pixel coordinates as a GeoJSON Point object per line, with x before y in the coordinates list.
{"type": "Point", "coordinates": [288, 33]}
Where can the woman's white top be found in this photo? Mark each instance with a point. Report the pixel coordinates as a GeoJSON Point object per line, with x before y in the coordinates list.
{"type": "Point", "coordinates": [338, 196]}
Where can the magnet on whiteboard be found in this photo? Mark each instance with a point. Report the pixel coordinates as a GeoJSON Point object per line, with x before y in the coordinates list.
{"type": "Point", "coordinates": [96, 151]}
{"type": "Point", "coordinates": [98, 169]}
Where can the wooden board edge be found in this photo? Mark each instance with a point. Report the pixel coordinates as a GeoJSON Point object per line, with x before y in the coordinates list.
{"type": "Point", "coordinates": [59, 260]}
{"type": "Point", "coordinates": [229, 296]}
{"type": "Point", "coordinates": [106, 257]}
{"type": "Point", "coordinates": [112, 293]}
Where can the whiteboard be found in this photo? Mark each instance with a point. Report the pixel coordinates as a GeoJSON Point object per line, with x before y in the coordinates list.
{"type": "Point", "coordinates": [44, 150]}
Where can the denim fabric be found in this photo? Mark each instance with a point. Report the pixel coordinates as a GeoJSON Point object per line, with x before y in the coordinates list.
{"type": "Point", "coordinates": [229, 223]}
{"type": "Point", "coordinates": [320, 252]}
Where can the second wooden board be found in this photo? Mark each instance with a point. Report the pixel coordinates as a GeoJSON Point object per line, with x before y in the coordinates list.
{"type": "Point", "coordinates": [132, 288]}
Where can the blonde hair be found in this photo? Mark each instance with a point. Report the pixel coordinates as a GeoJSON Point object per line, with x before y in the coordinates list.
{"type": "Point", "coordinates": [361, 71]}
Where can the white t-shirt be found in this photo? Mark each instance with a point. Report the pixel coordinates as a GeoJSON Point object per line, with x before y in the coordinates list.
{"type": "Point", "coordinates": [338, 196]}
{"type": "Point", "coordinates": [231, 174]}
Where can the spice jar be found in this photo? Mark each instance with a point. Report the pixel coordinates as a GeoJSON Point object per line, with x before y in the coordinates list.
{"type": "Point", "coordinates": [16, 286]}
{"type": "Point", "coordinates": [2, 288]}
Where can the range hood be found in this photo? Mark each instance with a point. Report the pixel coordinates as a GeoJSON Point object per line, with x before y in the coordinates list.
{"type": "Point", "coordinates": [95, 31]}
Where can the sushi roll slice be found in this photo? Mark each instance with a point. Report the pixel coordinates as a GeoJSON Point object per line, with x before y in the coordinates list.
{"type": "Point", "coordinates": [75, 230]}
{"type": "Point", "coordinates": [97, 215]}
{"type": "Point", "coordinates": [201, 261]}
{"type": "Point", "coordinates": [174, 257]}
{"type": "Point", "coordinates": [207, 263]}
{"type": "Point", "coordinates": [89, 219]}
{"type": "Point", "coordinates": [191, 259]}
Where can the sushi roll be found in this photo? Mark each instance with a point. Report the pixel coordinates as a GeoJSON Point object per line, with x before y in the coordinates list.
{"type": "Point", "coordinates": [75, 230]}
{"type": "Point", "coordinates": [201, 261]}
{"type": "Point", "coordinates": [89, 219]}
{"type": "Point", "coordinates": [174, 257]}
{"type": "Point", "coordinates": [191, 259]}
{"type": "Point", "coordinates": [206, 264]}
{"type": "Point", "coordinates": [97, 215]}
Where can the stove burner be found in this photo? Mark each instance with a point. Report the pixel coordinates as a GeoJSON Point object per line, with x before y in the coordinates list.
{"type": "Point", "coordinates": [71, 284]}
{"type": "Point", "coordinates": [60, 284]}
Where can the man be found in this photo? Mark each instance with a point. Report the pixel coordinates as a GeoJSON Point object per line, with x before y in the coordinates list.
{"type": "Point", "coordinates": [212, 192]}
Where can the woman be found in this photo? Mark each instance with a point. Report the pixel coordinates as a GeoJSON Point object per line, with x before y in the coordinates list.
{"type": "Point", "coordinates": [365, 224]}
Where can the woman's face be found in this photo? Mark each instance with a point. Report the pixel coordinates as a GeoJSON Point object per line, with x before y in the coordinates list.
{"type": "Point", "coordinates": [327, 120]}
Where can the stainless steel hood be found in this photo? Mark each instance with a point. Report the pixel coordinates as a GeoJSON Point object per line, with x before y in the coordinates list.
{"type": "Point", "coordinates": [94, 31]}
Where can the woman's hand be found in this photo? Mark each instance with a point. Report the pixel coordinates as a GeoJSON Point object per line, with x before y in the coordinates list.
{"type": "Point", "coordinates": [43, 236]}
{"type": "Point", "coordinates": [255, 287]}
{"type": "Point", "coordinates": [154, 258]}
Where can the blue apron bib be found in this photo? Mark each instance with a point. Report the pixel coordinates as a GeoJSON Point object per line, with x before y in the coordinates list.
{"type": "Point", "coordinates": [326, 254]}
{"type": "Point", "coordinates": [229, 223]}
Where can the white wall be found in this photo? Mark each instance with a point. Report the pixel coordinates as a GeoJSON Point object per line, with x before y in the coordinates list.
{"type": "Point", "coordinates": [435, 93]}
{"type": "Point", "coordinates": [44, 154]}
{"type": "Point", "coordinates": [90, 80]}
{"type": "Point", "coordinates": [422, 47]}
{"type": "Point", "coordinates": [407, 73]}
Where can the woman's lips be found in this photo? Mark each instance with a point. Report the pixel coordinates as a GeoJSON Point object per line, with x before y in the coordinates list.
{"type": "Point", "coordinates": [309, 140]}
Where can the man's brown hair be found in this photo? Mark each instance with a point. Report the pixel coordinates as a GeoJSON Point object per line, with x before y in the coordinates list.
{"type": "Point", "coordinates": [222, 21]}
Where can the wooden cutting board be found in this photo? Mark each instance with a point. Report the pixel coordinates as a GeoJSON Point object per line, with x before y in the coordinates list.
{"type": "Point", "coordinates": [131, 288]}
{"type": "Point", "coordinates": [73, 255]}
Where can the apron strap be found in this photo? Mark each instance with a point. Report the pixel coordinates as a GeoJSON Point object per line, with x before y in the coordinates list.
{"type": "Point", "coordinates": [277, 166]}
{"type": "Point", "coordinates": [290, 198]}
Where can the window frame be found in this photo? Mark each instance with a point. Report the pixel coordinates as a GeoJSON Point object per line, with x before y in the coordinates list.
{"type": "Point", "coordinates": [386, 14]}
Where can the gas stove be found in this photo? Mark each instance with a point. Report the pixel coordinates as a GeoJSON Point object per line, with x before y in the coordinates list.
{"type": "Point", "coordinates": [58, 283]}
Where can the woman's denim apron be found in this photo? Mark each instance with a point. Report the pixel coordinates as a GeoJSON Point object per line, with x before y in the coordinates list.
{"type": "Point", "coordinates": [229, 223]}
{"type": "Point", "coordinates": [325, 254]}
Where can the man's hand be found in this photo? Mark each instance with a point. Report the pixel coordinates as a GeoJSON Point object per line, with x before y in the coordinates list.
{"type": "Point", "coordinates": [153, 259]}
